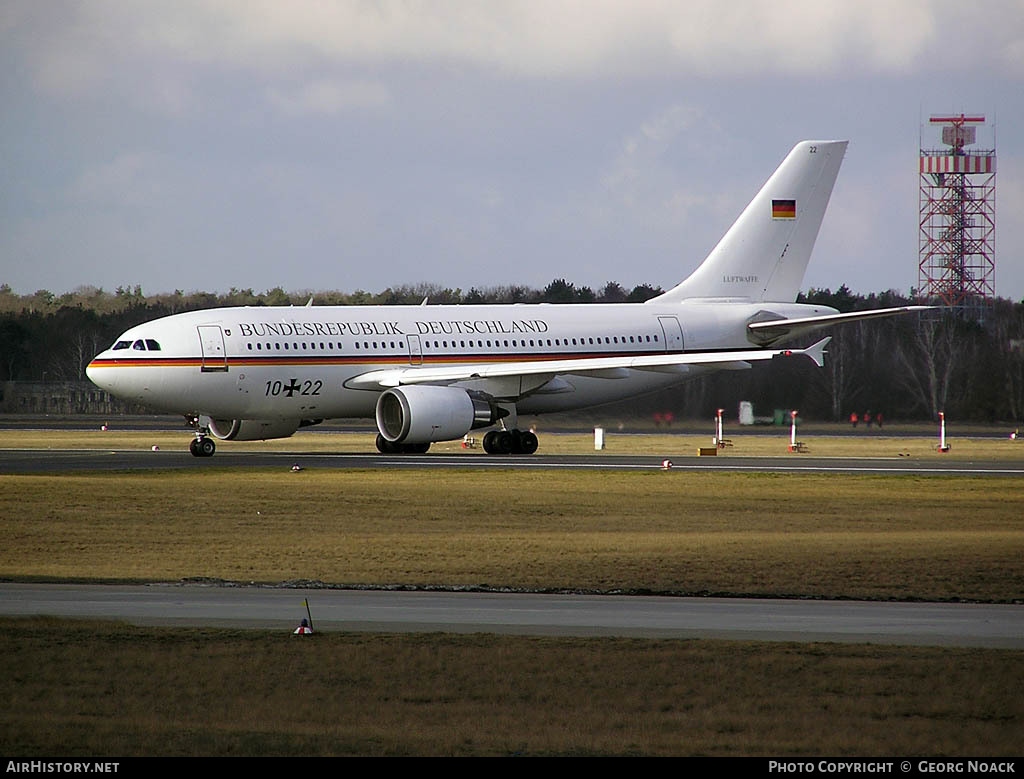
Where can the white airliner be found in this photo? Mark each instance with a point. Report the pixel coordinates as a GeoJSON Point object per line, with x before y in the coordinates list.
{"type": "Point", "coordinates": [433, 373]}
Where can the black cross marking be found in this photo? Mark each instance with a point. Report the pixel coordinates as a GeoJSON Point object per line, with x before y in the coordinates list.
{"type": "Point", "coordinates": [292, 388]}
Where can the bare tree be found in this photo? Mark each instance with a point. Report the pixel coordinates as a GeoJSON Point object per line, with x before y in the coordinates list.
{"type": "Point", "coordinates": [928, 358]}
{"type": "Point", "coordinates": [839, 379]}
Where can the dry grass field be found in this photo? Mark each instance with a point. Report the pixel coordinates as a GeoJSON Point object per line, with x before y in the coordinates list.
{"type": "Point", "coordinates": [929, 537]}
{"type": "Point", "coordinates": [94, 689]}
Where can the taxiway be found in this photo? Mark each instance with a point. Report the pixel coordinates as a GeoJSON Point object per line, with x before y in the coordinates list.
{"type": "Point", "coordinates": [71, 460]}
{"type": "Point", "coordinates": [925, 624]}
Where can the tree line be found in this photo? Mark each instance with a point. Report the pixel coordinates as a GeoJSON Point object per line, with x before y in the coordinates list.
{"type": "Point", "coordinates": [907, 367]}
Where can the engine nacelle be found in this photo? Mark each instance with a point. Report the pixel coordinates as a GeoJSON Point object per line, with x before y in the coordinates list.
{"type": "Point", "coordinates": [422, 414]}
{"type": "Point", "coordinates": [251, 429]}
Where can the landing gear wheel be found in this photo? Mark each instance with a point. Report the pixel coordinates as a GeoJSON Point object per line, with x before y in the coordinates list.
{"type": "Point", "coordinates": [528, 442]}
{"type": "Point", "coordinates": [489, 441]}
{"type": "Point", "coordinates": [202, 447]}
{"type": "Point", "coordinates": [503, 442]}
{"type": "Point", "coordinates": [510, 442]}
{"type": "Point", "coordinates": [384, 446]}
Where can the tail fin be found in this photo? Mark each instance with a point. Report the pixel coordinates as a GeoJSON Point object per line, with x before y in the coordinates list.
{"type": "Point", "coordinates": [765, 253]}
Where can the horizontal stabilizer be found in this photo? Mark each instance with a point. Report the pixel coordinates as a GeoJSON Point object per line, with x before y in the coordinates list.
{"type": "Point", "coordinates": [817, 351]}
{"type": "Point", "coordinates": [776, 329]}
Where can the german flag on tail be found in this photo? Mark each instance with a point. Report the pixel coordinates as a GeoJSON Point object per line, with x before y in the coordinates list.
{"type": "Point", "coordinates": [783, 209]}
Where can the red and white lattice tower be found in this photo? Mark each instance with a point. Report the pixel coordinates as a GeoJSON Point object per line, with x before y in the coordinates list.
{"type": "Point", "coordinates": [958, 218]}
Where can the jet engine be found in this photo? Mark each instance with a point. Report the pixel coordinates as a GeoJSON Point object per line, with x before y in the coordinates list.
{"type": "Point", "coordinates": [421, 414]}
{"type": "Point", "coordinates": [252, 429]}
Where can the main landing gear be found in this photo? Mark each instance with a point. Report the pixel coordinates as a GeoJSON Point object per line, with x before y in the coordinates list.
{"type": "Point", "coordinates": [495, 442]}
{"type": "Point", "coordinates": [510, 442]}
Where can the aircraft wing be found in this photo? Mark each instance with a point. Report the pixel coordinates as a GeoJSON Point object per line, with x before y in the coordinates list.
{"type": "Point", "coordinates": [601, 367]}
{"type": "Point", "coordinates": [774, 329]}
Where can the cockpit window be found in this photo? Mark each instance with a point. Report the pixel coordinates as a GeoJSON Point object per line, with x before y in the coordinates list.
{"type": "Point", "coordinates": [122, 345]}
{"type": "Point", "coordinates": [152, 345]}
{"type": "Point", "coordinates": [139, 345]}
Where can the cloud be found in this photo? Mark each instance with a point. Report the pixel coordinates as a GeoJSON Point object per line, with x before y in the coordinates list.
{"type": "Point", "coordinates": [85, 46]}
{"type": "Point", "coordinates": [330, 98]}
{"type": "Point", "coordinates": [649, 175]}
{"type": "Point", "coordinates": [130, 179]}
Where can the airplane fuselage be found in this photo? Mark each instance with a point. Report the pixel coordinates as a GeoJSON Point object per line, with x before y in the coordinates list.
{"type": "Point", "coordinates": [295, 362]}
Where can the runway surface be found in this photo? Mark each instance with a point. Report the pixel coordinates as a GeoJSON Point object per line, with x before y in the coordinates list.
{"type": "Point", "coordinates": [71, 460]}
{"type": "Point", "coordinates": [923, 624]}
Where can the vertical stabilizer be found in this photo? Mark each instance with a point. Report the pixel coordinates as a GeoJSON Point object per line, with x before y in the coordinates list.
{"type": "Point", "coordinates": [765, 253]}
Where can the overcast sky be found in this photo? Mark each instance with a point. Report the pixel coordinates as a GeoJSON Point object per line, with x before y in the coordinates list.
{"type": "Point", "coordinates": [360, 145]}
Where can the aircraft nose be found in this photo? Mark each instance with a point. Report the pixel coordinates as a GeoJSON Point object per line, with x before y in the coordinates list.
{"type": "Point", "coordinates": [91, 372]}
{"type": "Point", "coordinates": [99, 375]}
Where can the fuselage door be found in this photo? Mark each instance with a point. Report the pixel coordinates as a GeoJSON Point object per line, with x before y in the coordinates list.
{"type": "Point", "coordinates": [215, 356]}
{"type": "Point", "coordinates": [415, 350]}
{"type": "Point", "coordinates": [673, 333]}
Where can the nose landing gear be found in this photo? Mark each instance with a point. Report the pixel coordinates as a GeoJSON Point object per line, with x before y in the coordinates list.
{"type": "Point", "coordinates": [202, 446]}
